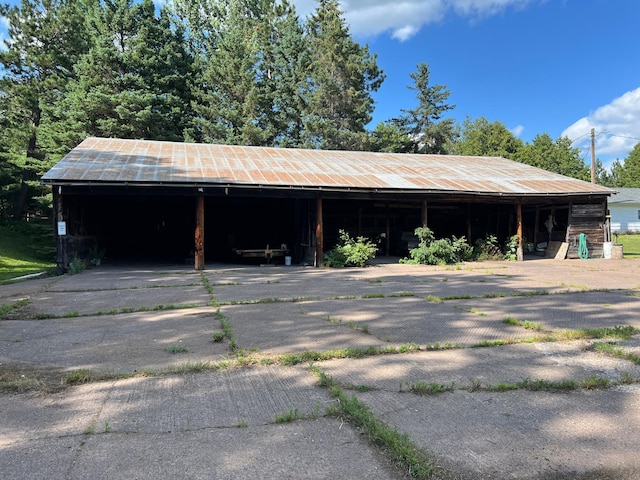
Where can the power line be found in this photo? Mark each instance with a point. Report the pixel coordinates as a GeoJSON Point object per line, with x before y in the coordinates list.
{"type": "Point", "coordinates": [621, 136]}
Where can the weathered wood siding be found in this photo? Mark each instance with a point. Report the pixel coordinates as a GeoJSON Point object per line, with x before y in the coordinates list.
{"type": "Point", "coordinates": [588, 219]}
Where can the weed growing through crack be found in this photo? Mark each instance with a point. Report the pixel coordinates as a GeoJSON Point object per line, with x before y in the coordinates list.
{"type": "Point", "coordinates": [434, 299]}
{"type": "Point", "coordinates": [623, 332]}
{"type": "Point", "coordinates": [289, 416]}
{"type": "Point", "coordinates": [177, 348]}
{"type": "Point", "coordinates": [613, 350]}
{"type": "Point", "coordinates": [524, 324]}
{"type": "Point", "coordinates": [373, 295]}
{"type": "Point", "coordinates": [620, 331]}
{"type": "Point", "coordinates": [218, 337]}
{"type": "Point", "coordinates": [398, 445]}
{"type": "Point", "coordinates": [595, 383]}
{"type": "Point", "coordinates": [6, 309]}
{"type": "Point", "coordinates": [356, 326]}
{"type": "Point", "coordinates": [425, 388]}
{"type": "Point", "coordinates": [342, 297]}
{"type": "Point", "coordinates": [225, 325]}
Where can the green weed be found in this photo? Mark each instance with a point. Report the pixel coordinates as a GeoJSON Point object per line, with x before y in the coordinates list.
{"type": "Point", "coordinates": [373, 295]}
{"type": "Point", "coordinates": [175, 348]}
{"type": "Point", "coordinates": [398, 445]}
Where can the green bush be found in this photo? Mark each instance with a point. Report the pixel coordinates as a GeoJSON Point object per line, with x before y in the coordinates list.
{"type": "Point", "coordinates": [350, 252]}
{"type": "Point", "coordinates": [487, 248]}
{"type": "Point", "coordinates": [442, 251]}
{"type": "Point", "coordinates": [511, 248]}
{"type": "Point", "coordinates": [77, 265]}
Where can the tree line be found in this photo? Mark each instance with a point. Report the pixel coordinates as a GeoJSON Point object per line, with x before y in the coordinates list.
{"type": "Point", "coordinates": [245, 72]}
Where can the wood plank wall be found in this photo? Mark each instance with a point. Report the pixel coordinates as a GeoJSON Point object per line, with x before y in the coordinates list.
{"type": "Point", "coordinates": [588, 219]}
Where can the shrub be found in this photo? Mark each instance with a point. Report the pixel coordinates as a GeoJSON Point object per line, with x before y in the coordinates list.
{"type": "Point", "coordinates": [511, 248]}
{"type": "Point", "coordinates": [77, 265]}
{"type": "Point", "coordinates": [442, 251]}
{"type": "Point", "coordinates": [350, 252]}
{"type": "Point", "coordinates": [487, 248]}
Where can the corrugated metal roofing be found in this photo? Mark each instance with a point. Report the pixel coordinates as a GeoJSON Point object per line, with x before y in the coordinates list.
{"type": "Point", "coordinates": [116, 161]}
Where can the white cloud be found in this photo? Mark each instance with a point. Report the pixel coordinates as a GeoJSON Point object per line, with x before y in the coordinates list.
{"type": "Point", "coordinates": [517, 131]}
{"type": "Point", "coordinates": [617, 127]}
{"type": "Point", "coordinates": [404, 18]}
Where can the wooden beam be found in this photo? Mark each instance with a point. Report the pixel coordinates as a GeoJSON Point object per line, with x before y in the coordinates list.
{"type": "Point", "coordinates": [319, 234]}
{"type": "Point", "coordinates": [199, 246]}
{"type": "Point", "coordinates": [520, 252]}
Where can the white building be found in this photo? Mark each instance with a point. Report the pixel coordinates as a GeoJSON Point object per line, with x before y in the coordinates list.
{"type": "Point", "coordinates": [624, 207]}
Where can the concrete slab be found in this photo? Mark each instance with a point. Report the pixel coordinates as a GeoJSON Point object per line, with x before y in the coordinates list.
{"type": "Point", "coordinates": [519, 434]}
{"type": "Point", "coordinates": [311, 449]}
{"type": "Point", "coordinates": [221, 424]}
{"type": "Point", "coordinates": [114, 343]}
{"type": "Point", "coordinates": [277, 328]}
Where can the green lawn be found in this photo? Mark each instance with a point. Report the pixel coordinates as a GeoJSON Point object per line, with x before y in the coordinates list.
{"type": "Point", "coordinates": [25, 249]}
{"type": "Point", "coordinates": [630, 245]}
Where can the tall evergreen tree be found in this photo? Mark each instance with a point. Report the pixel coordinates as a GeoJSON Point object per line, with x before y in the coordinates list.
{"type": "Point", "coordinates": [342, 76]}
{"type": "Point", "coordinates": [133, 81]}
{"type": "Point", "coordinates": [283, 61]}
{"type": "Point", "coordinates": [46, 38]}
{"type": "Point", "coordinates": [227, 98]}
{"type": "Point", "coordinates": [424, 124]}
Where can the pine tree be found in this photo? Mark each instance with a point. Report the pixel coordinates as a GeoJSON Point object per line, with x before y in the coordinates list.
{"type": "Point", "coordinates": [424, 124]}
{"type": "Point", "coordinates": [283, 61]}
{"type": "Point", "coordinates": [342, 76]}
{"type": "Point", "coordinates": [46, 38]}
{"type": "Point", "coordinates": [133, 81]}
{"type": "Point", "coordinates": [227, 97]}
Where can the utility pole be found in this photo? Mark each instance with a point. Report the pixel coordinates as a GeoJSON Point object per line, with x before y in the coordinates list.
{"type": "Point", "coordinates": [593, 155]}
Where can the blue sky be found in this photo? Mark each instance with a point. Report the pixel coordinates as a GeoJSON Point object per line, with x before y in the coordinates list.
{"type": "Point", "coordinates": [559, 67]}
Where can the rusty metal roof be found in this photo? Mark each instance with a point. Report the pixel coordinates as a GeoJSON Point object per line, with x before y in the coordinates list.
{"type": "Point", "coordinates": [106, 161]}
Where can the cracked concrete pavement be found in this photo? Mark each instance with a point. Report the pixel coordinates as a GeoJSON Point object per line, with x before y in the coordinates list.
{"type": "Point", "coordinates": [219, 424]}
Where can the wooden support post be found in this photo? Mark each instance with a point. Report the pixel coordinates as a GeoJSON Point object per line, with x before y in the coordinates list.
{"type": "Point", "coordinates": [469, 223]}
{"type": "Point", "coordinates": [520, 252]}
{"type": "Point", "coordinates": [424, 214]}
{"type": "Point", "coordinates": [199, 256]}
{"type": "Point", "coordinates": [319, 234]}
{"type": "Point", "coordinates": [387, 230]}
{"type": "Point", "coordinates": [61, 254]}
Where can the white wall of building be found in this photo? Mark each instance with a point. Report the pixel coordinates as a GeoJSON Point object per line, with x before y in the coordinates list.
{"type": "Point", "coordinates": [625, 218]}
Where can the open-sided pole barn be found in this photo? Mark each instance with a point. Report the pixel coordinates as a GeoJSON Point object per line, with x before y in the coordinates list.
{"type": "Point", "coordinates": [157, 201]}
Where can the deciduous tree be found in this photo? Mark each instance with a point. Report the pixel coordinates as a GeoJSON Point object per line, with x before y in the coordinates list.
{"type": "Point", "coordinates": [627, 173]}
{"type": "Point", "coordinates": [484, 138]}
{"type": "Point", "coordinates": [555, 156]}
